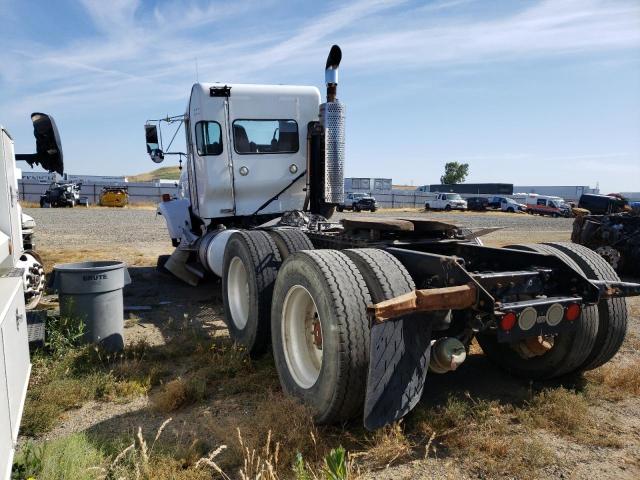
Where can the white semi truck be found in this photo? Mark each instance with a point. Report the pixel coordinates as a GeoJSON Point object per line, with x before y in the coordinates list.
{"type": "Point", "coordinates": [356, 312]}
{"type": "Point", "coordinates": [18, 272]}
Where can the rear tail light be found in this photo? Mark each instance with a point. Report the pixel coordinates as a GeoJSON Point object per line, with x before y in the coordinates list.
{"type": "Point", "coordinates": [527, 318]}
{"type": "Point", "coordinates": [508, 321]}
{"type": "Point", "coordinates": [554, 314]}
{"type": "Point", "coordinates": [572, 312]}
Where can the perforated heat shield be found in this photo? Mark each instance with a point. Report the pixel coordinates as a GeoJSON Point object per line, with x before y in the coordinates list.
{"type": "Point", "coordinates": [332, 119]}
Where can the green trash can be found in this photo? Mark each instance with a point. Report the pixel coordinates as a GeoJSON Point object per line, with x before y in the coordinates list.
{"type": "Point", "coordinates": [92, 292]}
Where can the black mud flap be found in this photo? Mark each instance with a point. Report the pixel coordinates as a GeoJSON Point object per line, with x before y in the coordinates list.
{"type": "Point", "coordinates": [398, 363]}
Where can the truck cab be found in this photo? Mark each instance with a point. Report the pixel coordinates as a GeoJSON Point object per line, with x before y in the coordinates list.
{"type": "Point", "coordinates": [446, 201]}
{"type": "Point", "coordinates": [245, 143]}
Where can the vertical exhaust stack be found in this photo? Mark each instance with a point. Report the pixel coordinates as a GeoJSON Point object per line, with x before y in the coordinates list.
{"type": "Point", "coordinates": [332, 121]}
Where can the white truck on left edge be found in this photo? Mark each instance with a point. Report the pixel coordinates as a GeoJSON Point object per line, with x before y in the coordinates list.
{"type": "Point", "coordinates": [18, 274]}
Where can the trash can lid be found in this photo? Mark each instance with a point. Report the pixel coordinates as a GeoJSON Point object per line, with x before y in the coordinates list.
{"type": "Point", "coordinates": [97, 265]}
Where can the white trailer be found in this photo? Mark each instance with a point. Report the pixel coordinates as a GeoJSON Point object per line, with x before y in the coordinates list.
{"type": "Point", "coordinates": [356, 313]}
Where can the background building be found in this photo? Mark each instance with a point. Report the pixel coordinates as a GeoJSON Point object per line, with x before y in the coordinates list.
{"type": "Point", "coordinates": [368, 185]}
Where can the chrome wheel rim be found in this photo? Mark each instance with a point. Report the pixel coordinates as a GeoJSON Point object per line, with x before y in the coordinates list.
{"type": "Point", "coordinates": [238, 293]}
{"type": "Point", "coordinates": [301, 331]}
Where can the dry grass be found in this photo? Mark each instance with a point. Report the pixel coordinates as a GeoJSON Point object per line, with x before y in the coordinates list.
{"type": "Point", "coordinates": [281, 419]}
{"type": "Point", "coordinates": [559, 410]}
{"type": "Point", "coordinates": [615, 381]}
{"type": "Point", "coordinates": [632, 342]}
{"type": "Point", "coordinates": [568, 414]}
{"type": "Point", "coordinates": [483, 435]}
{"type": "Point", "coordinates": [179, 393]}
{"type": "Point", "coordinates": [386, 447]}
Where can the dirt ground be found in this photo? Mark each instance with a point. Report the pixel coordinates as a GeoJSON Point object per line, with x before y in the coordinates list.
{"type": "Point", "coordinates": [158, 307]}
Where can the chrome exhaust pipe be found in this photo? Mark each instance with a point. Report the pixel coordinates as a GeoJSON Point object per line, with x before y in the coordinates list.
{"type": "Point", "coordinates": [332, 121]}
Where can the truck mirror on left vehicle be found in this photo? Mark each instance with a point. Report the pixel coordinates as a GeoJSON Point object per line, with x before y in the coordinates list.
{"type": "Point", "coordinates": [153, 146]}
{"type": "Point", "coordinates": [48, 146]}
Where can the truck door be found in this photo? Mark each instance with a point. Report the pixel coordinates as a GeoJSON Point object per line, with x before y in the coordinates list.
{"type": "Point", "coordinates": [211, 176]}
{"type": "Point", "coordinates": [267, 153]}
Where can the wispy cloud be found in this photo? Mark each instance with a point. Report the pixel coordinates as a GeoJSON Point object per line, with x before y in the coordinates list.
{"type": "Point", "coordinates": [141, 53]}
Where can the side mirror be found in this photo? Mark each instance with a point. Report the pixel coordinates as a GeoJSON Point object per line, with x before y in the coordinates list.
{"type": "Point", "coordinates": [48, 146]}
{"type": "Point", "coordinates": [153, 145]}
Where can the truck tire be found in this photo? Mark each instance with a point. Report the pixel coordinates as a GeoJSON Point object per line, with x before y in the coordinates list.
{"type": "Point", "coordinates": [384, 275]}
{"type": "Point", "coordinates": [250, 265]}
{"type": "Point", "coordinates": [447, 207]}
{"type": "Point", "coordinates": [612, 313]}
{"type": "Point", "coordinates": [320, 333]}
{"type": "Point", "coordinates": [427, 206]}
{"type": "Point", "coordinates": [402, 346]}
{"type": "Point", "coordinates": [570, 349]}
{"type": "Point", "coordinates": [340, 208]}
{"type": "Point", "coordinates": [290, 240]}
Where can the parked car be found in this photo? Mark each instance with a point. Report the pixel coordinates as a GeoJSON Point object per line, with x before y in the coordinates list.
{"type": "Point", "coordinates": [446, 201]}
{"type": "Point", "coordinates": [358, 202]}
{"type": "Point", "coordinates": [495, 202]}
{"type": "Point", "coordinates": [477, 203]}
{"type": "Point", "coordinates": [511, 206]}
{"type": "Point", "coordinates": [61, 195]}
{"type": "Point", "coordinates": [114, 196]}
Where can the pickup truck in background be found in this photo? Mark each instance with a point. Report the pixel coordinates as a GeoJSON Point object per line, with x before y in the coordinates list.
{"type": "Point", "coordinates": [446, 201]}
{"type": "Point", "coordinates": [358, 202]}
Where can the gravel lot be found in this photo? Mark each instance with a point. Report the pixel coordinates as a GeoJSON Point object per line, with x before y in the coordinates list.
{"type": "Point", "coordinates": [95, 227]}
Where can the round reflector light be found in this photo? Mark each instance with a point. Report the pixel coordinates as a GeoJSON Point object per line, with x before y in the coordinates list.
{"type": "Point", "coordinates": [527, 318]}
{"type": "Point", "coordinates": [572, 312]}
{"type": "Point", "coordinates": [508, 321]}
{"type": "Point", "coordinates": [555, 313]}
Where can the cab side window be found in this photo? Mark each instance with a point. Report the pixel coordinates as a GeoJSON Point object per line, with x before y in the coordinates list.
{"type": "Point", "coordinates": [265, 136]}
{"type": "Point", "coordinates": [208, 138]}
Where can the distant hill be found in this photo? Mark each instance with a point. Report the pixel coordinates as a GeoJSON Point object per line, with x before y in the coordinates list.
{"type": "Point", "coordinates": [166, 173]}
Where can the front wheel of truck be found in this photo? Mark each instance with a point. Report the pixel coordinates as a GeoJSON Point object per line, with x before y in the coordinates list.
{"type": "Point", "coordinates": [546, 357]}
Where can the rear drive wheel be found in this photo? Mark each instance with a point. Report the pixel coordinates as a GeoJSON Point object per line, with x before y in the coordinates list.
{"type": "Point", "coordinates": [290, 240]}
{"type": "Point", "coordinates": [251, 262]}
{"type": "Point", "coordinates": [402, 346]}
{"type": "Point", "coordinates": [612, 313]}
{"type": "Point", "coordinates": [320, 333]}
{"type": "Point", "coordinates": [542, 357]}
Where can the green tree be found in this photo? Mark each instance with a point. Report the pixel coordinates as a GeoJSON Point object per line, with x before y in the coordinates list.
{"type": "Point", "coordinates": [454, 172]}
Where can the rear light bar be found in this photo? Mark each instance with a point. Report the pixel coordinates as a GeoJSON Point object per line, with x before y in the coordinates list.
{"type": "Point", "coordinates": [550, 314]}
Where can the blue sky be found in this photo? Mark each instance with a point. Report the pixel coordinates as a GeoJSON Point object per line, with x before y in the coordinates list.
{"type": "Point", "coordinates": [529, 92]}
